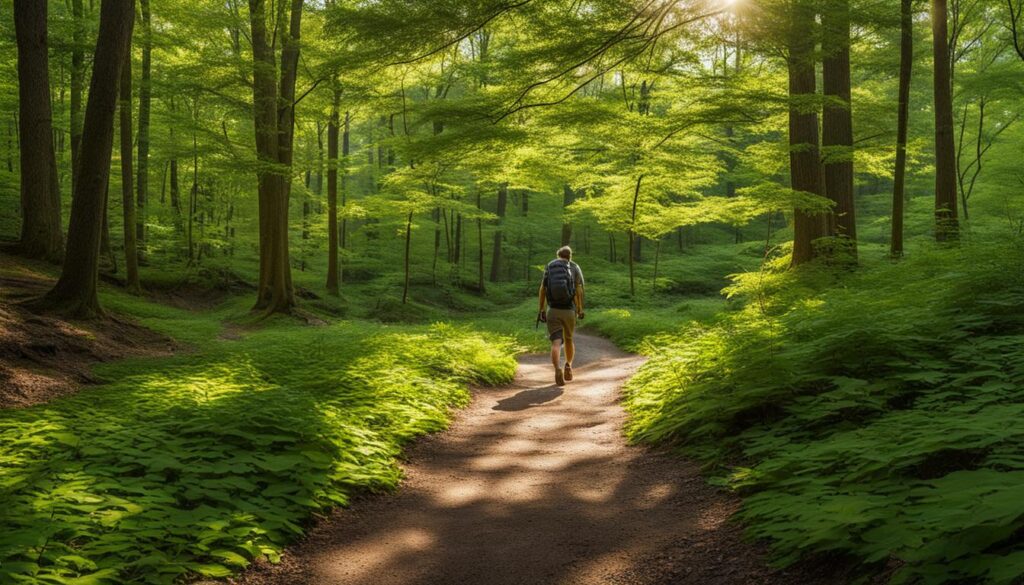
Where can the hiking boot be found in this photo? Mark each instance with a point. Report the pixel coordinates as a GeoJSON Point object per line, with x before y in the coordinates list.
{"type": "Point", "coordinates": [568, 373]}
{"type": "Point", "coordinates": [559, 378]}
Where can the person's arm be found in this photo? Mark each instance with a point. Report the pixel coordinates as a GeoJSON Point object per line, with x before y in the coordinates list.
{"type": "Point", "coordinates": [580, 292]}
{"type": "Point", "coordinates": [543, 302]}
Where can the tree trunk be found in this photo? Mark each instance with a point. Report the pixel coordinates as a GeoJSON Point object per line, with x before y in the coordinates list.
{"type": "Point", "coordinates": [480, 246]}
{"type": "Point", "coordinates": [131, 256]}
{"type": "Point", "coordinates": [106, 252]}
{"type": "Point", "coordinates": [458, 240]}
{"type": "Point", "coordinates": [75, 291]}
{"type": "Point", "coordinates": [408, 242]}
{"type": "Point", "coordinates": [899, 177]}
{"type": "Point", "coordinates": [193, 193]}
{"type": "Point", "coordinates": [273, 112]}
{"type": "Point", "coordinates": [145, 93]}
{"type": "Point", "coordinates": [805, 169]}
{"type": "Point", "coordinates": [175, 191]}
{"type": "Point", "coordinates": [568, 196]}
{"type": "Point", "coordinates": [345, 140]}
{"type": "Point", "coordinates": [632, 235]}
{"type": "Point", "coordinates": [837, 121]}
{"type": "Point", "coordinates": [333, 277]}
{"type": "Point", "coordinates": [436, 216]}
{"type": "Point", "coordinates": [77, 85]}
{"type": "Point", "coordinates": [499, 235]}
{"type": "Point", "coordinates": [41, 235]}
{"type": "Point", "coordinates": [946, 226]}
{"type": "Point", "coordinates": [657, 255]}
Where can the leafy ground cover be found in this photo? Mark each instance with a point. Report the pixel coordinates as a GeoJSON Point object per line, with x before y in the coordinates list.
{"type": "Point", "coordinates": [200, 463]}
{"type": "Point", "coordinates": [871, 417]}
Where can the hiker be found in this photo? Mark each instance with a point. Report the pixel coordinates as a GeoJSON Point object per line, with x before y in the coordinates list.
{"type": "Point", "coordinates": [562, 291]}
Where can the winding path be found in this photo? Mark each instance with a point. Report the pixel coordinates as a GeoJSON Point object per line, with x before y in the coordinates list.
{"type": "Point", "coordinates": [534, 484]}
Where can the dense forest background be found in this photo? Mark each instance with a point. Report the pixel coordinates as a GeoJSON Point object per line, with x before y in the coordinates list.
{"type": "Point", "coordinates": [808, 213]}
{"type": "Point", "coordinates": [432, 111]}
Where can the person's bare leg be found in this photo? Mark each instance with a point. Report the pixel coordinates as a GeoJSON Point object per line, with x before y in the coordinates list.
{"type": "Point", "coordinates": [556, 349]}
{"type": "Point", "coordinates": [570, 351]}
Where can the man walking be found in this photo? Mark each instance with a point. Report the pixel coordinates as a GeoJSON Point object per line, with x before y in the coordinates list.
{"type": "Point", "coordinates": [562, 291]}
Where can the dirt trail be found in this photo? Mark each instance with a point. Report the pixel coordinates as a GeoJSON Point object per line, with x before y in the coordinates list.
{"type": "Point", "coordinates": [534, 484]}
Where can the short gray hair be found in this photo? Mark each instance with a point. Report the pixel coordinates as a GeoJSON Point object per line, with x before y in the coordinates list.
{"type": "Point", "coordinates": [565, 252]}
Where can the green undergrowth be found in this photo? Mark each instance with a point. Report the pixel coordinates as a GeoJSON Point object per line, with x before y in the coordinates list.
{"type": "Point", "coordinates": [872, 417]}
{"type": "Point", "coordinates": [201, 463]}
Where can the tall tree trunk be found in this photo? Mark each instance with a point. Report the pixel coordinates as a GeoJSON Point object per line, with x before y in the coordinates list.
{"type": "Point", "coordinates": [193, 193]}
{"type": "Point", "coordinates": [458, 240]}
{"type": "Point", "coordinates": [145, 98]}
{"type": "Point", "coordinates": [75, 291]}
{"type": "Point", "coordinates": [318, 190]}
{"type": "Point", "coordinates": [480, 246]}
{"type": "Point", "coordinates": [106, 251]}
{"type": "Point", "coordinates": [273, 112]}
{"type": "Point", "coordinates": [77, 85]}
{"type": "Point", "coordinates": [632, 235]}
{"type": "Point", "coordinates": [41, 235]}
{"type": "Point", "coordinates": [408, 245]}
{"type": "Point", "coordinates": [837, 120]}
{"type": "Point", "coordinates": [333, 277]}
{"type": "Point", "coordinates": [436, 216]}
{"type": "Point", "coordinates": [345, 150]}
{"type": "Point", "coordinates": [131, 256]}
{"type": "Point", "coordinates": [804, 166]}
{"type": "Point", "coordinates": [899, 177]}
{"type": "Point", "coordinates": [499, 235]}
{"type": "Point", "coordinates": [175, 189]}
{"type": "Point", "coordinates": [946, 226]}
{"type": "Point", "coordinates": [657, 256]}
{"type": "Point", "coordinates": [568, 196]}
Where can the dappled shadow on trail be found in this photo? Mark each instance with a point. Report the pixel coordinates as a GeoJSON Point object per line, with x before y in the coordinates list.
{"type": "Point", "coordinates": [536, 485]}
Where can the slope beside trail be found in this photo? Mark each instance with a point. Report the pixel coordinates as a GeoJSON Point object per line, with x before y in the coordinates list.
{"type": "Point", "coordinates": [535, 484]}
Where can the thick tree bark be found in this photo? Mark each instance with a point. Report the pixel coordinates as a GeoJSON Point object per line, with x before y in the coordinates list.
{"type": "Point", "coordinates": [75, 291]}
{"type": "Point", "coordinates": [333, 275]}
{"type": "Point", "coordinates": [145, 99]}
{"type": "Point", "coordinates": [903, 122]}
{"type": "Point", "coordinates": [568, 196]}
{"type": "Point", "coordinates": [946, 226]}
{"type": "Point", "coordinates": [273, 112]}
{"type": "Point", "coordinates": [837, 120]}
{"type": "Point", "coordinates": [804, 167]}
{"type": "Point", "coordinates": [499, 235]}
{"type": "Point", "coordinates": [41, 235]}
{"type": "Point", "coordinates": [131, 255]}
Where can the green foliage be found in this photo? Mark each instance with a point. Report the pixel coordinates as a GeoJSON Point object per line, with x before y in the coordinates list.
{"type": "Point", "coordinates": [873, 418]}
{"type": "Point", "coordinates": [199, 464]}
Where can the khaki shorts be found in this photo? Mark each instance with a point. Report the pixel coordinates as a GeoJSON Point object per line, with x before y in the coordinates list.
{"type": "Point", "coordinates": [561, 324]}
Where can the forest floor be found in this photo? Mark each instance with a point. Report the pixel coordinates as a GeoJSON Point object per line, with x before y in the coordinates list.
{"type": "Point", "coordinates": [536, 484]}
{"type": "Point", "coordinates": [43, 357]}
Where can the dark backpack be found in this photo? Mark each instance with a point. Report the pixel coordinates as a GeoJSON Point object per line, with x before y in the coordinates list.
{"type": "Point", "coordinates": [561, 284]}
